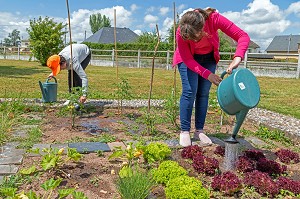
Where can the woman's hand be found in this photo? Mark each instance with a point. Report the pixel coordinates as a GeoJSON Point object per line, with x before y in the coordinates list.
{"type": "Point", "coordinates": [234, 64]}
{"type": "Point", "coordinates": [82, 99]}
{"type": "Point", "coordinates": [215, 79]}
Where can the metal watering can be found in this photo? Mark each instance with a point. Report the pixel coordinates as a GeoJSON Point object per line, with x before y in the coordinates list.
{"type": "Point", "coordinates": [237, 94]}
{"type": "Point", "coordinates": [49, 90]}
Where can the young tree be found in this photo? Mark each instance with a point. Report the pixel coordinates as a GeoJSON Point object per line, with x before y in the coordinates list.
{"type": "Point", "coordinates": [147, 37]}
{"type": "Point", "coordinates": [97, 21]}
{"type": "Point", "coordinates": [13, 38]}
{"type": "Point", "coordinates": [46, 38]}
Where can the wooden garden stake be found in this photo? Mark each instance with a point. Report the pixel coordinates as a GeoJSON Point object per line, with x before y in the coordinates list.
{"type": "Point", "coordinates": [71, 61]}
{"type": "Point", "coordinates": [116, 57]}
{"type": "Point", "coordinates": [152, 70]}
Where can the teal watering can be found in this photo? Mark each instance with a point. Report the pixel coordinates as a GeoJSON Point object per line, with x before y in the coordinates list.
{"type": "Point", "coordinates": [237, 94]}
{"type": "Point", "coordinates": [49, 90]}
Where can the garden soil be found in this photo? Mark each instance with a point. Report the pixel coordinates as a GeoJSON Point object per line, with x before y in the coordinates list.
{"type": "Point", "coordinates": [96, 175]}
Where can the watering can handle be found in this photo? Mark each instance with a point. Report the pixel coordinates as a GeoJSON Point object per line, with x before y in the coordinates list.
{"type": "Point", "coordinates": [51, 78]}
{"type": "Point", "coordinates": [224, 73]}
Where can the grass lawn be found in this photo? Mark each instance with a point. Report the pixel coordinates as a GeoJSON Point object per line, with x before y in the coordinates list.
{"type": "Point", "coordinates": [19, 79]}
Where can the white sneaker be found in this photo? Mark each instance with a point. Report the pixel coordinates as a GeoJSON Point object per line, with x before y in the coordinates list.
{"type": "Point", "coordinates": [199, 135]}
{"type": "Point", "coordinates": [185, 139]}
{"type": "Point", "coordinates": [67, 103]}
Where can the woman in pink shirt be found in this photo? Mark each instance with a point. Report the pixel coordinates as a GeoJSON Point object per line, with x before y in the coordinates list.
{"type": "Point", "coordinates": [196, 56]}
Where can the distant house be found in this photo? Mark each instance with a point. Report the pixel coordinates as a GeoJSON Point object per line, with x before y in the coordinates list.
{"type": "Point", "coordinates": [106, 36]}
{"type": "Point", "coordinates": [253, 47]}
{"type": "Point", "coordinates": [286, 44]}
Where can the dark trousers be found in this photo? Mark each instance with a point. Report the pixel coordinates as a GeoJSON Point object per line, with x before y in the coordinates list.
{"type": "Point", "coordinates": [77, 82]}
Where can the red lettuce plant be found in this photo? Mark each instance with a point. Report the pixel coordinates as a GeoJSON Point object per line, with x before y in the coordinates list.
{"type": "Point", "coordinates": [203, 164]}
{"type": "Point", "coordinates": [254, 154]}
{"type": "Point", "coordinates": [227, 182]}
{"type": "Point", "coordinates": [220, 151]}
{"type": "Point", "coordinates": [191, 151]}
{"type": "Point", "coordinates": [287, 156]}
{"type": "Point", "coordinates": [245, 164]}
{"type": "Point", "coordinates": [262, 182]}
{"type": "Point", "coordinates": [270, 166]}
{"type": "Point", "coordinates": [288, 184]}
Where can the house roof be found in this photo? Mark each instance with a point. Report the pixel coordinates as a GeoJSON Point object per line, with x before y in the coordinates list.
{"type": "Point", "coordinates": [233, 43]}
{"type": "Point", "coordinates": [284, 43]}
{"type": "Point", "coordinates": [106, 36]}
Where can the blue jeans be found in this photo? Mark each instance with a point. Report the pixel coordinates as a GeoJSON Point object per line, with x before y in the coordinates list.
{"type": "Point", "coordinates": [195, 89]}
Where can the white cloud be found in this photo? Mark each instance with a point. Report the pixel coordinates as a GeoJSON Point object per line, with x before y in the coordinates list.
{"type": "Point", "coordinates": [150, 19]}
{"type": "Point", "coordinates": [294, 8]}
{"type": "Point", "coordinates": [164, 10]}
{"type": "Point", "coordinates": [150, 9]}
{"type": "Point", "coordinates": [262, 21]}
{"type": "Point", "coordinates": [167, 24]}
{"type": "Point", "coordinates": [133, 7]}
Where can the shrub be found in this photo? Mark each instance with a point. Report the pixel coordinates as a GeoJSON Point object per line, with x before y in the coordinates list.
{"type": "Point", "coordinates": [288, 184]}
{"type": "Point", "coordinates": [191, 151]}
{"type": "Point", "coordinates": [156, 151]}
{"type": "Point", "coordinates": [203, 164]}
{"type": "Point", "coordinates": [262, 182]}
{"type": "Point", "coordinates": [287, 156]}
{"type": "Point", "coordinates": [185, 187]}
{"type": "Point", "coordinates": [254, 154]}
{"type": "Point", "coordinates": [168, 170]}
{"type": "Point", "coordinates": [270, 166]}
{"type": "Point", "coordinates": [137, 186]}
{"type": "Point", "coordinates": [220, 151]}
{"type": "Point", "coordinates": [227, 182]}
{"type": "Point", "coordinates": [245, 164]}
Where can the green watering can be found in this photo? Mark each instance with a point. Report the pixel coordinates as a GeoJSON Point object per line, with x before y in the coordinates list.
{"type": "Point", "coordinates": [237, 94]}
{"type": "Point", "coordinates": [49, 90]}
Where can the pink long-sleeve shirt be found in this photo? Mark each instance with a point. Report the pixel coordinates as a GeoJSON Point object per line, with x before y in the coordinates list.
{"type": "Point", "coordinates": [186, 48]}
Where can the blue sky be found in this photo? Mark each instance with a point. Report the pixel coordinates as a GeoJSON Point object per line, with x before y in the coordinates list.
{"type": "Point", "coordinates": [262, 19]}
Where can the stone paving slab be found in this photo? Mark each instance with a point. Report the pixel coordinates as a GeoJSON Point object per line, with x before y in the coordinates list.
{"type": "Point", "coordinates": [112, 145]}
{"type": "Point", "coordinates": [41, 147]}
{"type": "Point", "coordinates": [60, 146]}
{"type": "Point", "coordinates": [89, 147]}
{"type": "Point", "coordinates": [8, 169]}
{"type": "Point", "coordinates": [12, 160]}
{"type": "Point", "coordinates": [13, 152]}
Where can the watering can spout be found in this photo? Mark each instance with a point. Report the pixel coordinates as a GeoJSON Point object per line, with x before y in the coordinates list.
{"type": "Point", "coordinates": [240, 117]}
{"type": "Point", "coordinates": [42, 90]}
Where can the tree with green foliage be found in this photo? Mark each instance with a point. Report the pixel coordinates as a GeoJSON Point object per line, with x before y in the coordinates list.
{"type": "Point", "coordinates": [13, 38]}
{"type": "Point", "coordinates": [98, 21]}
{"type": "Point", "coordinates": [147, 37]}
{"type": "Point", "coordinates": [225, 46]}
{"type": "Point", "coordinates": [46, 38]}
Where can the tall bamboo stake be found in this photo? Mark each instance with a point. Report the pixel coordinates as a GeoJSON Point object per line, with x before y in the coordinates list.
{"type": "Point", "coordinates": [116, 57]}
{"type": "Point", "coordinates": [174, 48]}
{"type": "Point", "coordinates": [71, 59]}
{"type": "Point", "coordinates": [152, 70]}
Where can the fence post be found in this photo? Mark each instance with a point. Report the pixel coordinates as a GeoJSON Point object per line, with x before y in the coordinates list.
{"type": "Point", "coordinates": [168, 60]}
{"type": "Point", "coordinates": [4, 51]}
{"type": "Point", "coordinates": [113, 57]}
{"type": "Point", "coordinates": [245, 59]}
{"type": "Point", "coordinates": [298, 68]}
{"type": "Point", "coordinates": [139, 59]}
{"type": "Point", "coordinates": [18, 52]}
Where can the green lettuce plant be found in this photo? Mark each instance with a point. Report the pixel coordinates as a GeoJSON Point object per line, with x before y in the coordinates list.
{"type": "Point", "coordinates": [156, 151]}
{"type": "Point", "coordinates": [186, 187]}
{"type": "Point", "coordinates": [168, 170]}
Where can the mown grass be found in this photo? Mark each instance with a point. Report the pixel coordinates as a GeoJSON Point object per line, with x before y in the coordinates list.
{"type": "Point", "coordinates": [19, 79]}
